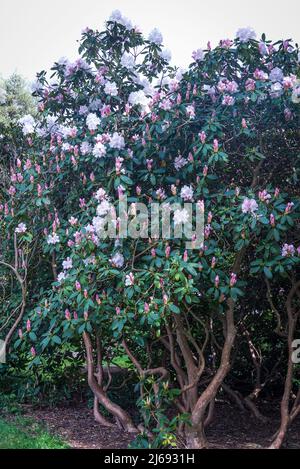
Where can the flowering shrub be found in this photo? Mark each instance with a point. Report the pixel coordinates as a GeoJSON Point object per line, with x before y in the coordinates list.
{"type": "Point", "coordinates": [121, 122]}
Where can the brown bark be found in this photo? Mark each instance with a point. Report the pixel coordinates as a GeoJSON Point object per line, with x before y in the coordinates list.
{"type": "Point", "coordinates": [284, 407]}
{"type": "Point", "coordinates": [120, 414]}
{"type": "Point", "coordinates": [196, 435]}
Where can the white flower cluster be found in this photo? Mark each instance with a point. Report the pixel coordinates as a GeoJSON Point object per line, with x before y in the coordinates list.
{"type": "Point", "coordinates": [180, 162]}
{"type": "Point", "coordinates": [117, 141]}
{"type": "Point", "coordinates": [110, 88]}
{"type": "Point", "coordinates": [245, 34]}
{"type": "Point", "coordinates": [187, 193]}
{"type": "Point", "coordinates": [117, 260]}
{"type": "Point", "coordinates": [139, 98]}
{"type": "Point", "coordinates": [53, 239]}
{"type": "Point", "coordinates": [181, 216]}
{"type": "Point", "coordinates": [166, 55]}
{"type": "Point", "coordinates": [117, 17]}
{"type": "Point", "coordinates": [128, 61]}
{"type": "Point", "coordinates": [100, 194]}
{"type": "Point", "coordinates": [99, 150]}
{"type": "Point", "coordinates": [27, 122]}
{"type": "Point", "coordinates": [92, 121]}
{"type": "Point", "coordinates": [249, 206]}
{"type": "Point", "coordinates": [155, 36]}
{"type": "Point", "coordinates": [21, 228]}
{"type": "Point", "coordinates": [67, 264]}
{"type": "Point", "coordinates": [85, 148]}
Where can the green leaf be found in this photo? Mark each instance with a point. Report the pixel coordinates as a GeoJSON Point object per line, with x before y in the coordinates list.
{"type": "Point", "coordinates": [174, 308]}
{"type": "Point", "coordinates": [268, 273]}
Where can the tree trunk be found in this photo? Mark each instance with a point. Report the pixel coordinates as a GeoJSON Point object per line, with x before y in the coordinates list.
{"type": "Point", "coordinates": [198, 413]}
{"type": "Point", "coordinates": [284, 408]}
{"type": "Point", "coordinates": [113, 408]}
{"type": "Point", "coordinates": [195, 437]}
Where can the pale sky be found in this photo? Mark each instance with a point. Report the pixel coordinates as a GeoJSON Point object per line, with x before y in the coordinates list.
{"type": "Point", "coordinates": [35, 33]}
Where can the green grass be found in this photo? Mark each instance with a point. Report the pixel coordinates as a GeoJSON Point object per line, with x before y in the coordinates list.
{"type": "Point", "coordinates": [24, 433]}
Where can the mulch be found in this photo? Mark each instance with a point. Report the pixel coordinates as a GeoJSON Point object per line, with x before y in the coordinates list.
{"type": "Point", "coordinates": [230, 429]}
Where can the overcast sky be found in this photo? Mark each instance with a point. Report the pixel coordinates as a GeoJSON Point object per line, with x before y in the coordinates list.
{"type": "Point", "coordinates": [35, 33]}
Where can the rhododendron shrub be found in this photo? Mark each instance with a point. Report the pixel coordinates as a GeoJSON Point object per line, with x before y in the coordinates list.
{"type": "Point", "coordinates": [118, 123]}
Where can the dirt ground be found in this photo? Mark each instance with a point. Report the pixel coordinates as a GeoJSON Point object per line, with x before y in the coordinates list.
{"type": "Point", "coordinates": [230, 429]}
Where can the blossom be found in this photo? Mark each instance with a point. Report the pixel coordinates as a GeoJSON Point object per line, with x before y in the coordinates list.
{"type": "Point", "coordinates": [85, 148]}
{"type": "Point", "coordinates": [118, 164]}
{"type": "Point", "coordinates": [129, 280]}
{"type": "Point", "coordinates": [160, 193]}
{"type": "Point", "coordinates": [250, 84]}
{"type": "Point", "coordinates": [180, 216]}
{"type": "Point", "coordinates": [61, 277]}
{"type": "Point", "coordinates": [217, 281]}
{"type": "Point", "coordinates": [190, 111]}
{"type": "Point", "coordinates": [263, 48]}
{"type": "Point", "coordinates": [73, 221]}
{"type": "Point", "coordinates": [166, 55]}
{"type": "Point", "coordinates": [276, 74]}
{"type": "Point", "coordinates": [117, 17]}
{"type": "Point", "coordinates": [249, 205]}
{"type": "Point", "coordinates": [139, 98]}
{"type": "Point", "coordinates": [27, 122]}
{"type": "Point", "coordinates": [155, 36]}
{"type": "Point", "coordinates": [179, 162]}
{"type": "Point", "coordinates": [202, 136]}
{"type": "Point", "coordinates": [98, 224]}
{"type": "Point", "coordinates": [100, 194]}
{"type": "Point", "coordinates": [296, 92]}
{"type": "Point", "coordinates": [216, 145]}
{"type": "Point", "coordinates": [187, 193]}
{"type": "Point", "coordinates": [226, 43]}
{"type": "Point", "coordinates": [233, 279]}
{"type": "Point", "coordinates": [21, 228]}
{"type": "Point", "coordinates": [128, 60]}
{"type": "Point", "coordinates": [117, 260]}
{"type": "Point", "coordinates": [67, 264]}
{"type": "Point", "coordinates": [92, 121]}
{"type": "Point", "coordinates": [264, 196]}
{"type": "Point", "coordinates": [260, 75]}
{"type": "Point", "coordinates": [103, 208]}
{"type": "Point", "coordinates": [276, 90]}
{"type": "Point", "coordinates": [245, 34]}
{"type": "Point", "coordinates": [272, 220]}
{"type": "Point", "coordinates": [99, 150]}
{"type": "Point", "coordinates": [83, 110]}
{"type": "Point", "coordinates": [289, 207]}
{"type": "Point", "coordinates": [111, 88]}
{"type": "Point", "coordinates": [288, 250]}
{"type": "Point", "coordinates": [117, 141]}
{"type": "Point", "coordinates": [198, 55]}
{"type": "Point", "coordinates": [53, 239]}
{"type": "Point", "coordinates": [67, 315]}
{"type": "Point", "coordinates": [228, 100]}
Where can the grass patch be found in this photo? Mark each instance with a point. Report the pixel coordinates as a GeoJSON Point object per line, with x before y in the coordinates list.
{"type": "Point", "coordinates": [24, 433]}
